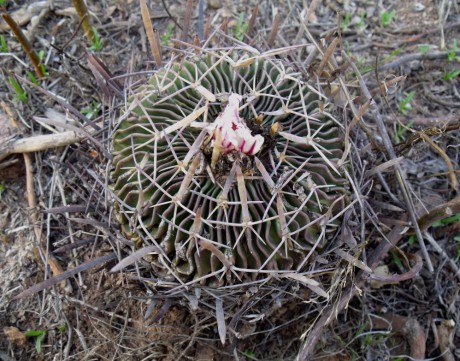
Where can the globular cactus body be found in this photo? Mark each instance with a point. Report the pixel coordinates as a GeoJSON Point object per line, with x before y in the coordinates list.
{"type": "Point", "coordinates": [230, 167]}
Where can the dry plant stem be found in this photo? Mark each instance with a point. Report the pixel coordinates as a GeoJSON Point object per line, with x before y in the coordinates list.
{"type": "Point", "coordinates": [105, 80]}
{"type": "Point", "coordinates": [425, 133]}
{"type": "Point", "coordinates": [446, 334]}
{"type": "Point", "coordinates": [224, 26]}
{"type": "Point", "coordinates": [151, 34]}
{"type": "Point", "coordinates": [169, 14]}
{"type": "Point", "coordinates": [207, 28]}
{"type": "Point", "coordinates": [77, 115]}
{"type": "Point", "coordinates": [32, 200]}
{"type": "Point", "coordinates": [83, 14]}
{"type": "Point", "coordinates": [304, 21]}
{"type": "Point", "coordinates": [421, 120]}
{"type": "Point", "coordinates": [450, 167]}
{"type": "Point", "coordinates": [327, 56]}
{"type": "Point", "coordinates": [200, 24]}
{"type": "Point", "coordinates": [187, 18]}
{"type": "Point", "coordinates": [23, 41]}
{"type": "Point", "coordinates": [443, 254]}
{"type": "Point", "coordinates": [39, 142]}
{"type": "Point", "coordinates": [402, 277]}
{"type": "Point", "coordinates": [436, 214]}
{"type": "Point", "coordinates": [441, 14]}
{"type": "Point", "coordinates": [417, 56]}
{"type": "Point", "coordinates": [274, 31]}
{"type": "Point", "coordinates": [391, 153]}
{"type": "Point", "coordinates": [64, 275]}
{"type": "Point", "coordinates": [252, 21]}
{"type": "Point", "coordinates": [409, 328]}
{"type": "Point", "coordinates": [65, 105]}
{"type": "Point", "coordinates": [381, 89]}
{"type": "Point", "coordinates": [24, 14]}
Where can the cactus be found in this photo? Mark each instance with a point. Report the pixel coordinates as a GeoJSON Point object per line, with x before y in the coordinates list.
{"type": "Point", "coordinates": [228, 164]}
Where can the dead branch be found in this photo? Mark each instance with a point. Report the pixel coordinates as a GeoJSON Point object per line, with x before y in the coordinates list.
{"type": "Point", "coordinates": [417, 56]}
{"type": "Point", "coordinates": [38, 142]}
{"type": "Point", "coordinates": [443, 254]}
{"type": "Point", "coordinates": [152, 35]}
{"type": "Point", "coordinates": [436, 214]}
{"type": "Point", "coordinates": [409, 328]}
{"type": "Point", "coordinates": [40, 248]}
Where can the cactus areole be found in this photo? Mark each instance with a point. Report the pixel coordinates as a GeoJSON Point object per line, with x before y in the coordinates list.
{"type": "Point", "coordinates": [231, 171]}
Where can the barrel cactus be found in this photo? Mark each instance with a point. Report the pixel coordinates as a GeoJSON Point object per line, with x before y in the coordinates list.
{"type": "Point", "coordinates": [228, 165]}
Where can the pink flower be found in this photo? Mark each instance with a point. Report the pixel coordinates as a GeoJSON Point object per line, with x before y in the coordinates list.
{"type": "Point", "coordinates": [233, 132]}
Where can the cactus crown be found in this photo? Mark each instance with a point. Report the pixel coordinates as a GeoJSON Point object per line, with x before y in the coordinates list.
{"type": "Point", "coordinates": [229, 167]}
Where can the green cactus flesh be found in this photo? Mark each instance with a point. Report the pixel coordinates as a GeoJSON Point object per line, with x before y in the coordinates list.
{"type": "Point", "coordinates": [167, 193]}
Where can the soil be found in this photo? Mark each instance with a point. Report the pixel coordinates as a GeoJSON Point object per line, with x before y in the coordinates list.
{"type": "Point", "coordinates": [98, 315]}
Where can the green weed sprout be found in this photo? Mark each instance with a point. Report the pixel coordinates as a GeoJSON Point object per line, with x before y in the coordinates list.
{"type": "Point", "coordinates": [41, 56]}
{"type": "Point", "coordinates": [386, 18]}
{"type": "Point", "coordinates": [3, 45]}
{"type": "Point", "coordinates": [166, 37]}
{"type": "Point", "coordinates": [451, 74]}
{"type": "Point", "coordinates": [404, 105]}
{"type": "Point", "coordinates": [32, 77]}
{"type": "Point", "coordinates": [40, 335]}
{"type": "Point", "coordinates": [448, 221]}
{"type": "Point", "coordinates": [96, 44]}
{"type": "Point", "coordinates": [401, 131]}
{"type": "Point", "coordinates": [362, 23]}
{"type": "Point", "coordinates": [92, 110]}
{"type": "Point", "coordinates": [452, 55]}
{"type": "Point", "coordinates": [346, 21]}
{"type": "Point", "coordinates": [20, 95]}
{"type": "Point", "coordinates": [240, 29]}
{"type": "Point", "coordinates": [424, 48]}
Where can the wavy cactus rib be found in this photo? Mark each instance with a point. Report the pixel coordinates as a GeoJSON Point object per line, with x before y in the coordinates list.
{"type": "Point", "coordinates": [222, 213]}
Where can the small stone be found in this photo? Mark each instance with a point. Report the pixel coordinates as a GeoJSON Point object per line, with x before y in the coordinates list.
{"type": "Point", "coordinates": [419, 7]}
{"type": "Point", "coordinates": [215, 4]}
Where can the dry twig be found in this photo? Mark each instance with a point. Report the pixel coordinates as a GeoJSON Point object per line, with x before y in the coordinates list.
{"type": "Point", "coordinates": [152, 35]}
{"type": "Point", "coordinates": [436, 214]}
{"type": "Point", "coordinates": [409, 328]}
{"type": "Point", "coordinates": [391, 153]}
{"type": "Point", "coordinates": [417, 56]}
{"type": "Point", "coordinates": [24, 42]}
{"type": "Point", "coordinates": [38, 143]}
{"type": "Point", "coordinates": [41, 248]}
{"type": "Point", "coordinates": [83, 14]}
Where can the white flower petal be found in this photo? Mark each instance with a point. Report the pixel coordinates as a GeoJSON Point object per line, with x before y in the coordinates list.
{"type": "Point", "coordinates": [233, 130]}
